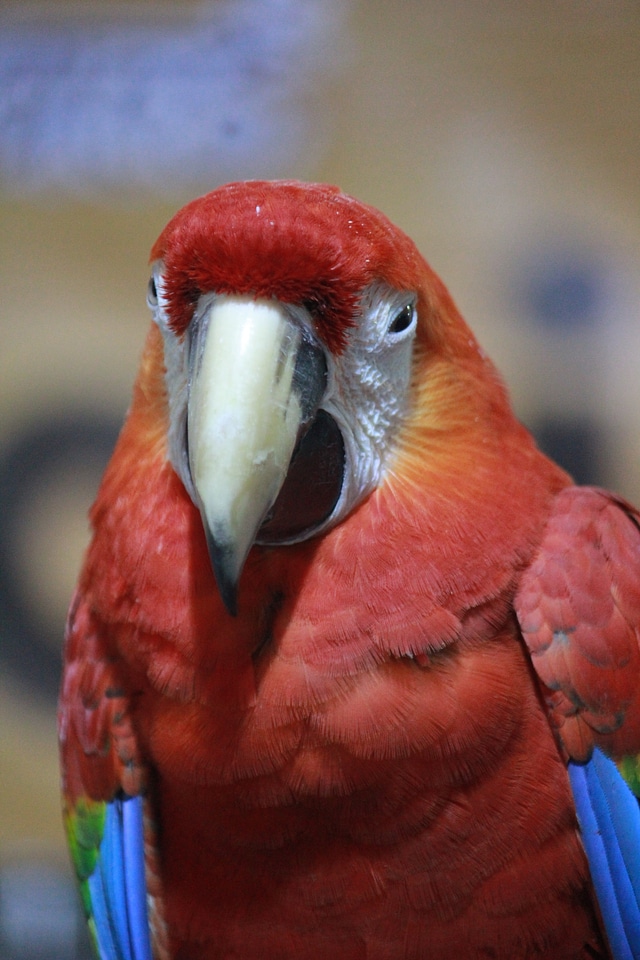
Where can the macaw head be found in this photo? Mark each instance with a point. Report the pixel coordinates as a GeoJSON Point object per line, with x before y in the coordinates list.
{"type": "Point", "coordinates": [298, 327]}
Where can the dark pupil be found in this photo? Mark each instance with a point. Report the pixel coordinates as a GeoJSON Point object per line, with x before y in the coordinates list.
{"type": "Point", "coordinates": [153, 293]}
{"type": "Point", "coordinates": [402, 319]}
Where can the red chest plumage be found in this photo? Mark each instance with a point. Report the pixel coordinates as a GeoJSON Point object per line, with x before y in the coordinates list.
{"type": "Point", "coordinates": [374, 769]}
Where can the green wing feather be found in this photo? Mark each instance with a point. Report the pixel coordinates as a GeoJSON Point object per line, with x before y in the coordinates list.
{"type": "Point", "coordinates": [629, 768]}
{"type": "Point", "coordinates": [84, 825]}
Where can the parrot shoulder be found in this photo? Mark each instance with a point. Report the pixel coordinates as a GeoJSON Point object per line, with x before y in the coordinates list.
{"type": "Point", "coordinates": [98, 743]}
{"type": "Point", "coordinates": [578, 604]}
{"type": "Point", "coordinates": [106, 812]}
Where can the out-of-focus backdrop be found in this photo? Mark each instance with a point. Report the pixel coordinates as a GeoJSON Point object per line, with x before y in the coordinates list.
{"type": "Point", "coordinates": [503, 136]}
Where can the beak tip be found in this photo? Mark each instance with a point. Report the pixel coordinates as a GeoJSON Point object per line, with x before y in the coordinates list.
{"type": "Point", "coordinates": [226, 572]}
{"type": "Point", "coordinates": [230, 599]}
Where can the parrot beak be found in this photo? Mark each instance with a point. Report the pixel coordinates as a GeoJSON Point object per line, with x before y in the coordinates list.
{"type": "Point", "coordinates": [257, 376]}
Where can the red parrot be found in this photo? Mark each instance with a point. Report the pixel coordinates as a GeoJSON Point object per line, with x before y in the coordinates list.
{"type": "Point", "coordinates": [348, 652]}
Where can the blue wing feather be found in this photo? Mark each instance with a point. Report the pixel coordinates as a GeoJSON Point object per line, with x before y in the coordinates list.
{"type": "Point", "coordinates": [135, 883]}
{"type": "Point", "coordinates": [609, 817]}
{"type": "Point", "coordinates": [111, 865]}
{"type": "Point", "coordinates": [101, 917]}
{"type": "Point", "coordinates": [117, 886]}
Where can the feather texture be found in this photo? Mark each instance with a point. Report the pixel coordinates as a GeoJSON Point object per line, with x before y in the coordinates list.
{"type": "Point", "coordinates": [609, 818]}
{"type": "Point", "coordinates": [106, 840]}
{"type": "Point", "coordinates": [580, 616]}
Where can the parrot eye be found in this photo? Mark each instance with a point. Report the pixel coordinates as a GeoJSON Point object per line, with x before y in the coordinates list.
{"type": "Point", "coordinates": [152, 293]}
{"type": "Point", "coordinates": [403, 319]}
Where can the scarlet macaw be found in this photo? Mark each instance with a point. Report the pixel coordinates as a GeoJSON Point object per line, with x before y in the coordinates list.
{"type": "Point", "coordinates": [348, 654]}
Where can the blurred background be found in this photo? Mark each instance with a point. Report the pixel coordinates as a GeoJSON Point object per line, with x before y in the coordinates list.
{"type": "Point", "coordinates": [503, 136]}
